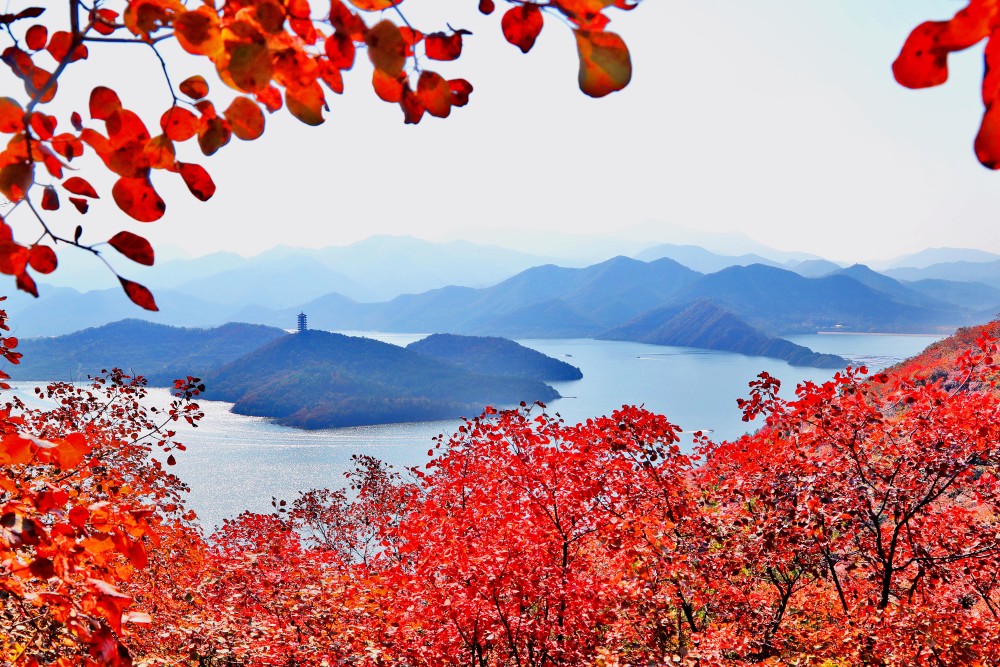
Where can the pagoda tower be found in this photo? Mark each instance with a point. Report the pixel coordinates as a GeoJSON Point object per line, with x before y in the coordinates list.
{"type": "Point", "coordinates": [302, 322]}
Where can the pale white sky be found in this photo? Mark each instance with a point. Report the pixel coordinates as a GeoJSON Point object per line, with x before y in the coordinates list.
{"type": "Point", "coordinates": [777, 119]}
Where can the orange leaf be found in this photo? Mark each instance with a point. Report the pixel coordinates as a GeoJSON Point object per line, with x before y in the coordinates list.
{"type": "Point", "coordinates": [434, 94]}
{"type": "Point", "coordinates": [245, 118]}
{"type": "Point", "coordinates": [388, 88]}
{"type": "Point", "coordinates": [521, 26]}
{"type": "Point", "coordinates": [179, 124]}
{"type": "Point", "coordinates": [197, 180]}
{"type": "Point", "coordinates": [374, 5]}
{"type": "Point", "coordinates": [194, 87]}
{"type": "Point", "coordinates": [133, 246]}
{"type": "Point", "coordinates": [159, 151]}
{"type": "Point", "coordinates": [71, 450]}
{"type": "Point", "coordinates": [42, 259]}
{"type": "Point", "coordinates": [137, 198]}
{"type": "Point", "coordinates": [11, 116]}
{"type": "Point", "coordinates": [331, 76]}
{"type": "Point", "coordinates": [306, 103]}
{"type": "Point", "coordinates": [386, 47]}
{"type": "Point", "coordinates": [78, 186]}
{"type": "Point", "coordinates": [139, 295]}
{"type": "Point", "coordinates": [198, 32]}
{"type": "Point", "coordinates": [50, 199]}
{"type": "Point", "coordinates": [605, 65]}
{"type": "Point", "coordinates": [15, 450]}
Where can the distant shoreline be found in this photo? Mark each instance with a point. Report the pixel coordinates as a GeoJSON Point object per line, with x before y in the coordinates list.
{"type": "Point", "coordinates": [882, 333]}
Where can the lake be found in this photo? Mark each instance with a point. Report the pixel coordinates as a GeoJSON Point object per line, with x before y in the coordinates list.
{"type": "Point", "coordinates": [237, 463]}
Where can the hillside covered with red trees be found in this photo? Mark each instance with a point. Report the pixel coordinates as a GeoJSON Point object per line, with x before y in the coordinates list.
{"type": "Point", "coordinates": [857, 526]}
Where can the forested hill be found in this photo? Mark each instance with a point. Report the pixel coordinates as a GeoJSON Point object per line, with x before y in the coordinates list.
{"type": "Point", "coordinates": [707, 325]}
{"type": "Point", "coordinates": [495, 356]}
{"type": "Point", "coordinates": [317, 379]}
{"type": "Point", "coordinates": [940, 361]}
{"type": "Point", "coordinates": [160, 353]}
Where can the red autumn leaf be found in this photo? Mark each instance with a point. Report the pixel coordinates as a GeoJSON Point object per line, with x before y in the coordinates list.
{"type": "Point", "coordinates": [340, 49]}
{"type": "Point", "coordinates": [139, 295]}
{"type": "Point", "coordinates": [439, 46]}
{"type": "Point", "coordinates": [460, 92]}
{"type": "Point", "coordinates": [26, 283]}
{"type": "Point", "coordinates": [270, 97]}
{"type": "Point", "coordinates": [50, 199]}
{"type": "Point", "coordinates": [44, 125]}
{"type": "Point", "coordinates": [104, 21]}
{"type": "Point", "coordinates": [605, 65]}
{"type": "Point", "coordinates": [413, 109]}
{"type": "Point", "coordinates": [82, 205]}
{"type": "Point", "coordinates": [171, 460]}
{"type": "Point", "coordinates": [179, 124]}
{"type": "Point", "coordinates": [60, 44]}
{"type": "Point", "coordinates": [521, 26]}
{"type": "Point", "coordinates": [103, 102]}
{"type": "Point", "coordinates": [137, 198]}
{"type": "Point", "coordinates": [36, 37]}
{"type": "Point", "coordinates": [197, 180]}
{"type": "Point", "coordinates": [486, 6]}
{"type": "Point", "coordinates": [245, 118]}
{"type": "Point", "coordinates": [11, 116]}
{"type": "Point", "coordinates": [434, 94]}
{"type": "Point", "coordinates": [388, 88]}
{"type": "Point", "coordinates": [133, 246]}
{"type": "Point", "coordinates": [79, 186]}
{"type": "Point", "coordinates": [194, 87]}
{"type": "Point", "coordinates": [42, 259]}
{"type": "Point", "coordinates": [16, 178]}
{"type": "Point", "coordinates": [76, 121]}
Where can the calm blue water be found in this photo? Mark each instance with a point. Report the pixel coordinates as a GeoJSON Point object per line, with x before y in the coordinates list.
{"type": "Point", "coordinates": [235, 463]}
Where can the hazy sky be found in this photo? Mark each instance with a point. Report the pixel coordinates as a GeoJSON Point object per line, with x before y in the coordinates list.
{"type": "Point", "coordinates": [775, 118]}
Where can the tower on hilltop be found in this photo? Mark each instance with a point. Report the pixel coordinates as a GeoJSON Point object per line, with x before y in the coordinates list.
{"type": "Point", "coordinates": [302, 322]}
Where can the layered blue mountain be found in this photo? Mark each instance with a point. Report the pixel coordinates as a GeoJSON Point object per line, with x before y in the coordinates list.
{"type": "Point", "coordinates": [159, 353]}
{"type": "Point", "coordinates": [490, 355]}
{"type": "Point", "coordinates": [707, 325]}
{"type": "Point", "coordinates": [780, 301]}
{"type": "Point", "coordinates": [316, 379]}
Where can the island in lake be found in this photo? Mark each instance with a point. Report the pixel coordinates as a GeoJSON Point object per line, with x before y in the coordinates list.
{"type": "Point", "coordinates": [310, 379]}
